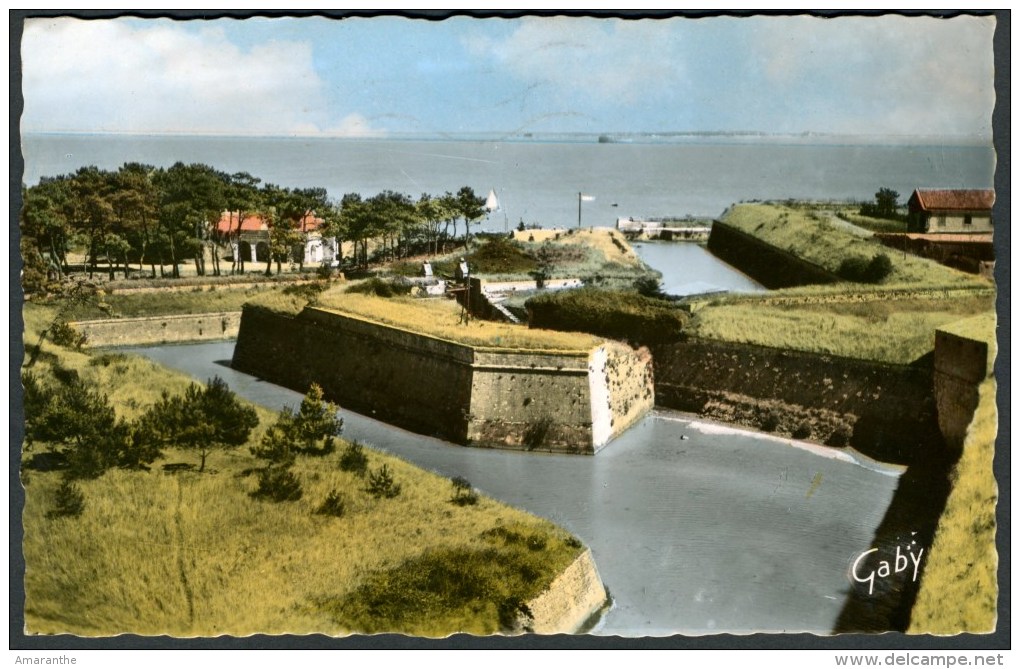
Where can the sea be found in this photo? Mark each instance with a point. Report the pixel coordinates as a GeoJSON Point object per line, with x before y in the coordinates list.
{"type": "Point", "coordinates": [542, 182]}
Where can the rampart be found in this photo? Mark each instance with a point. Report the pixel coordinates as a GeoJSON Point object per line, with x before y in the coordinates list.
{"type": "Point", "coordinates": [564, 401]}
{"type": "Point", "coordinates": [766, 264]}
{"type": "Point", "coordinates": [150, 330]}
{"type": "Point", "coordinates": [885, 411]}
{"type": "Point", "coordinates": [962, 363]}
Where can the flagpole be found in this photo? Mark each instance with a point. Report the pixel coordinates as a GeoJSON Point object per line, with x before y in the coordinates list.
{"type": "Point", "coordinates": [578, 210]}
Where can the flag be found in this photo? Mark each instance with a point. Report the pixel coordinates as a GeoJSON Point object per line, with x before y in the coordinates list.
{"type": "Point", "coordinates": [587, 198]}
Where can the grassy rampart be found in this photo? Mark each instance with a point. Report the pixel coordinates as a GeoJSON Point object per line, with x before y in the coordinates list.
{"type": "Point", "coordinates": [962, 563]}
{"type": "Point", "coordinates": [191, 554]}
{"type": "Point", "coordinates": [814, 238]}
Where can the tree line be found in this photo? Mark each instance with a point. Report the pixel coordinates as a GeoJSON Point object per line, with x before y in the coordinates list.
{"type": "Point", "coordinates": [140, 215]}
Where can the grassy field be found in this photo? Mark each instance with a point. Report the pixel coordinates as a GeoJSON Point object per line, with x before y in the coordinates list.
{"type": "Point", "coordinates": [441, 318]}
{"type": "Point", "coordinates": [814, 238]}
{"type": "Point", "coordinates": [192, 554]}
{"type": "Point", "coordinates": [896, 331]}
{"type": "Point", "coordinates": [961, 567]}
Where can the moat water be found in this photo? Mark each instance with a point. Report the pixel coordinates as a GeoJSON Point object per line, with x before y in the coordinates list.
{"type": "Point", "coordinates": [691, 269]}
{"type": "Point", "coordinates": [696, 528]}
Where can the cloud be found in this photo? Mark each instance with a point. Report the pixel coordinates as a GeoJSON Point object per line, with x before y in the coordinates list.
{"type": "Point", "coordinates": [623, 62]}
{"type": "Point", "coordinates": [162, 76]}
{"type": "Point", "coordinates": [894, 74]}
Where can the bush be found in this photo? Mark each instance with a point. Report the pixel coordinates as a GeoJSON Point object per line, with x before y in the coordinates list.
{"type": "Point", "coordinates": [649, 286]}
{"type": "Point", "coordinates": [63, 334]}
{"type": "Point", "coordinates": [802, 431]}
{"type": "Point", "coordinates": [382, 288]}
{"type": "Point", "coordinates": [463, 493]}
{"type": "Point", "coordinates": [861, 270]}
{"type": "Point", "coordinates": [334, 505]}
{"type": "Point", "coordinates": [382, 484]}
{"type": "Point", "coordinates": [623, 315]}
{"type": "Point", "coordinates": [771, 420]}
{"type": "Point", "coordinates": [278, 484]}
{"type": "Point", "coordinates": [839, 437]}
{"type": "Point", "coordinates": [68, 502]}
{"type": "Point", "coordinates": [354, 459]}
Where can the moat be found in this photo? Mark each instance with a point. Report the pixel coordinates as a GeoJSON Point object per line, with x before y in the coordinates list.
{"type": "Point", "coordinates": [695, 528]}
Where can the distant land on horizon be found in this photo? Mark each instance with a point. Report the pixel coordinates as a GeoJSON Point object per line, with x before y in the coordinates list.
{"type": "Point", "coordinates": [606, 137]}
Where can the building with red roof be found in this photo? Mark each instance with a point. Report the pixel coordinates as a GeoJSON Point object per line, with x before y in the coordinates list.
{"type": "Point", "coordinates": [944, 211]}
{"type": "Point", "coordinates": [249, 235]}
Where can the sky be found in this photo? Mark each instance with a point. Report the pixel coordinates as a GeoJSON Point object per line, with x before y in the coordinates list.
{"type": "Point", "coordinates": [386, 76]}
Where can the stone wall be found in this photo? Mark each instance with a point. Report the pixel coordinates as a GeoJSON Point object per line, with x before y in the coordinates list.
{"type": "Point", "coordinates": [160, 329]}
{"type": "Point", "coordinates": [573, 599]}
{"type": "Point", "coordinates": [480, 396]}
{"type": "Point", "coordinates": [885, 411]}
{"type": "Point", "coordinates": [961, 364]}
{"type": "Point", "coordinates": [766, 264]}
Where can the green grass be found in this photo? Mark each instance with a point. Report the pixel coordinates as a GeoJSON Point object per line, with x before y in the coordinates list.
{"type": "Point", "coordinates": [168, 302]}
{"type": "Point", "coordinates": [895, 331]}
{"type": "Point", "coordinates": [811, 236]}
{"type": "Point", "coordinates": [962, 563]}
{"type": "Point", "coordinates": [194, 555]}
{"type": "Point", "coordinates": [442, 318]}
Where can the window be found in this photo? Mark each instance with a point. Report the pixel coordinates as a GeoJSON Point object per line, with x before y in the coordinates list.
{"type": "Point", "coordinates": [942, 221]}
{"type": "Point", "coordinates": [967, 220]}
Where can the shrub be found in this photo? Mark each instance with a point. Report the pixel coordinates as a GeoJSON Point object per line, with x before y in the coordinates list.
{"type": "Point", "coordinates": [615, 314]}
{"type": "Point", "coordinates": [382, 484]}
{"type": "Point", "coordinates": [771, 420]}
{"type": "Point", "coordinates": [63, 334]}
{"type": "Point", "coordinates": [840, 436]}
{"type": "Point", "coordinates": [649, 286]}
{"type": "Point", "coordinates": [334, 505]}
{"type": "Point", "coordinates": [354, 459]}
{"type": "Point", "coordinates": [802, 431]}
{"type": "Point", "coordinates": [382, 288]}
{"type": "Point", "coordinates": [463, 493]}
{"type": "Point", "coordinates": [278, 484]}
{"type": "Point", "coordinates": [68, 502]}
{"type": "Point", "coordinates": [862, 270]}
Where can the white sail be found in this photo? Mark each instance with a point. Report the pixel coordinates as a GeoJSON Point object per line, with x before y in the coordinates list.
{"type": "Point", "coordinates": [492, 202]}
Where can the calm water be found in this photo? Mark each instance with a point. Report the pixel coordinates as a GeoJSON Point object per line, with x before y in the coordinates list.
{"type": "Point", "coordinates": [690, 269]}
{"type": "Point", "coordinates": [539, 182]}
{"type": "Point", "coordinates": [719, 532]}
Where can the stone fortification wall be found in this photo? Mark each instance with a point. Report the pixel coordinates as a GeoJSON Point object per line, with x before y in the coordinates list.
{"type": "Point", "coordinates": [885, 411]}
{"type": "Point", "coordinates": [160, 329]}
{"type": "Point", "coordinates": [961, 364]}
{"type": "Point", "coordinates": [421, 384]}
{"type": "Point", "coordinates": [571, 600]}
{"type": "Point", "coordinates": [481, 396]}
{"type": "Point", "coordinates": [766, 264]}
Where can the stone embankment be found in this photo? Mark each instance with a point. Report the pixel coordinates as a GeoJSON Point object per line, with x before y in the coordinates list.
{"type": "Point", "coordinates": [155, 330]}
{"type": "Point", "coordinates": [885, 411]}
{"type": "Point", "coordinates": [766, 264]}
{"type": "Point", "coordinates": [563, 401]}
{"type": "Point", "coordinates": [572, 600]}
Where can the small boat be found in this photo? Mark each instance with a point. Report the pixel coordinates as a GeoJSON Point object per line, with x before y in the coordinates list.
{"type": "Point", "coordinates": [492, 202]}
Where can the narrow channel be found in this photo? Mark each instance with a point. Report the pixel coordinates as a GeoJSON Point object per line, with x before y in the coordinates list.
{"type": "Point", "coordinates": [695, 528]}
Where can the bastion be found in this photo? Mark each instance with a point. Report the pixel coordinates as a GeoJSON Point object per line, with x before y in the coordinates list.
{"type": "Point", "coordinates": [568, 401]}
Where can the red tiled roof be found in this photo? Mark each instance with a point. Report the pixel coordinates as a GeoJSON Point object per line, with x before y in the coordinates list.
{"type": "Point", "coordinates": [962, 200]}
{"type": "Point", "coordinates": [253, 223]}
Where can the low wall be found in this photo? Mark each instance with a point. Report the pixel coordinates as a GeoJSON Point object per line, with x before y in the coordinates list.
{"type": "Point", "coordinates": [766, 264]}
{"type": "Point", "coordinates": [480, 396]}
{"type": "Point", "coordinates": [160, 329]}
{"type": "Point", "coordinates": [885, 411]}
{"type": "Point", "coordinates": [571, 600]}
